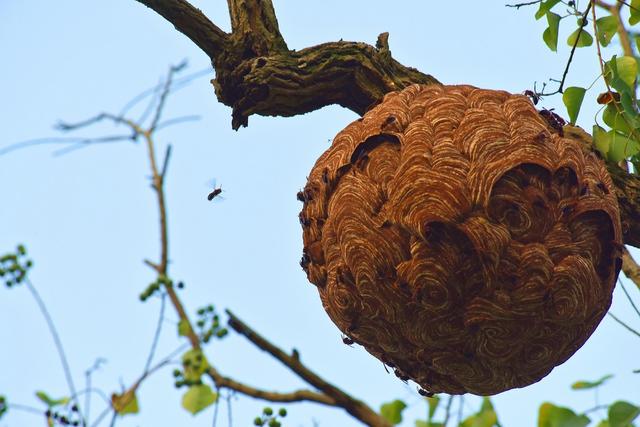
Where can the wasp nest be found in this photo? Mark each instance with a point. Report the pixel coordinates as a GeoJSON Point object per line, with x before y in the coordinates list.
{"type": "Point", "coordinates": [461, 239]}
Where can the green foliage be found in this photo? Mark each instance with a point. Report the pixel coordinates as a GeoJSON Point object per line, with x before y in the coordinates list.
{"type": "Point", "coordinates": [433, 405]}
{"type": "Point", "coordinates": [550, 415]}
{"type": "Point", "coordinates": [184, 328]}
{"type": "Point", "coordinates": [485, 417]}
{"type": "Point", "coordinates": [14, 266]}
{"type": "Point", "coordinates": [620, 73]}
{"type": "Point", "coordinates": [607, 27]}
{"type": "Point", "coordinates": [208, 324]}
{"type": "Point", "coordinates": [572, 98]}
{"type": "Point", "coordinates": [155, 287]}
{"type": "Point", "coordinates": [3, 406]}
{"type": "Point", "coordinates": [420, 423]}
{"type": "Point", "coordinates": [634, 11]}
{"type": "Point", "coordinates": [584, 385]}
{"type": "Point", "coordinates": [545, 6]}
{"type": "Point", "coordinates": [44, 397]}
{"type": "Point", "coordinates": [198, 397]}
{"type": "Point", "coordinates": [580, 38]}
{"type": "Point", "coordinates": [392, 411]}
{"type": "Point", "coordinates": [268, 417]}
{"type": "Point", "coordinates": [550, 34]}
{"type": "Point", "coordinates": [194, 364]}
{"type": "Point", "coordinates": [621, 414]}
{"type": "Point", "coordinates": [125, 403]}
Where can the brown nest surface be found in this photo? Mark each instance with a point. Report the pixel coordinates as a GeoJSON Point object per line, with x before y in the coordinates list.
{"type": "Point", "coordinates": [461, 239]}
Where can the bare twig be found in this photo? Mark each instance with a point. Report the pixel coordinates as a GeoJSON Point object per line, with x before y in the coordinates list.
{"type": "Point", "coordinates": [179, 83]}
{"type": "Point", "coordinates": [583, 23]}
{"type": "Point", "coordinates": [165, 162]}
{"type": "Point", "coordinates": [176, 120]}
{"type": "Point", "coordinates": [633, 304]}
{"type": "Point", "coordinates": [627, 327]}
{"type": "Point", "coordinates": [58, 343]}
{"type": "Point", "coordinates": [156, 335]}
{"type": "Point", "coordinates": [272, 396]}
{"type": "Point", "coordinates": [519, 5]}
{"type": "Point", "coordinates": [447, 413]}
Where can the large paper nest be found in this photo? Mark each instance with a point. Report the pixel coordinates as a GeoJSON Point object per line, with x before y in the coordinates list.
{"type": "Point", "coordinates": [461, 239]}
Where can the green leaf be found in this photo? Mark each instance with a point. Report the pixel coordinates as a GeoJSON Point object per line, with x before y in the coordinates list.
{"type": "Point", "coordinates": [420, 423]}
{"type": "Point", "coordinates": [572, 98]}
{"type": "Point", "coordinates": [583, 385]}
{"type": "Point", "coordinates": [550, 415]}
{"type": "Point", "coordinates": [44, 397]}
{"type": "Point", "coordinates": [620, 73]}
{"type": "Point", "coordinates": [607, 28]}
{"type": "Point", "coordinates": [602, 141]}
{"type": "Point", "coordinates": [580, 38]}
{"type": "Point", "coordinates": [545, 7]}
{"type": "Point", "coordinates": [392, 411]}
{"type": "Point", "coordinates": [3, 406]}
{"type": "Point", "coordinates": [195, 364]}
{"type": "Point", "coordinates": [621, 147]}
{"type": "Point", "coordinates": [198, 397]}
{"type": "Point", "coordinates": [550, 35]}
{"type": "Point", "coordinates": [603, 423]}
{"type": "Point", "coordinates": [627, 69]}
{"type": "Point", "coordinates": [616, 119]}
{"type": "Point", "coordinates": [184, 328]}
{"type": "Point", "coordinates": [634, 11]}
{"type": "Point", "coordinates": [433, 405]}
{"type": "Point", "coordinates": [126, 403]}
{"type": "Point", "coordinates": [621, 414]}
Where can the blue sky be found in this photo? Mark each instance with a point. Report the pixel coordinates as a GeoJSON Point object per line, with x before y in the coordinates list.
{"type": "Point", "coordinates": [89, 217]}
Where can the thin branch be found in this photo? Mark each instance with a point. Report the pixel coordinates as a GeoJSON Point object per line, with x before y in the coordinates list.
{"type": "Point", "coordinates": [92, 141]}
{"type": "Point", "coordinates": [447, 413]}
{"type": "Point", "coordinates": [355, 407]}
{"type": "Point", "coordinates": [163, 97]}
{"type": "Point", "coordinates": [25, 408]}
{"type": "Point", "coordinates": [272, 396]}
{"type": "Point", "coordinates": [519, 5]}
{"type": "Point", "coordinates": [178, 84]}
{"type": "Point", "coordinates": [635, 308]}
{"type": "Point", "coordinates": [165, 162]}
{"type": "Point", "coordinates": [627, 327]}
{"type": "Point", "coordinates": [630, 267]}
{"type": "Point", "coordinates": [583, 23]}
{"type": "Point", "coordinates": [58, 343]}
{"type": "Point", "coordinates": [156, 335]}
{"type": "Point", "coordinates": [177, 120]}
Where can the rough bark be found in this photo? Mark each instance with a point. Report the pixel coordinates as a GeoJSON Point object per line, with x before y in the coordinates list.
{"type": "Point", "coordinates": [256, 73]}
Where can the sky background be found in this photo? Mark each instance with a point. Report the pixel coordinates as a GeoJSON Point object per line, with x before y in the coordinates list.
{"type": "Point", "coordinates": [89, 218]}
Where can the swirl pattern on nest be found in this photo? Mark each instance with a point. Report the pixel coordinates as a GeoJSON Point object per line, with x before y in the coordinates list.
{"type": "Point", "coordinates": [460, 239]}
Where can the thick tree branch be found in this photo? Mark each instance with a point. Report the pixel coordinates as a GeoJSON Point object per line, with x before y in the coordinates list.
{"type": "Point", "coordinates": [191, 22]}
{"type": "Point", "coordinates": [353, 406]}
{"type": "Point", "coordinates": [257, 74]}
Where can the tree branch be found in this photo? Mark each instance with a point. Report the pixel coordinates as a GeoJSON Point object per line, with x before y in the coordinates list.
{"type": "Point", "coordinates": [630, 268]}
{"type": "Point", "coordinates": [356, 408]}
{"type": "Point", "coordinates": [257, 74]}
{"type": "Point", "coordinates": [272, 396]}
{"type": "Point", "coordinates": [191, 22]}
